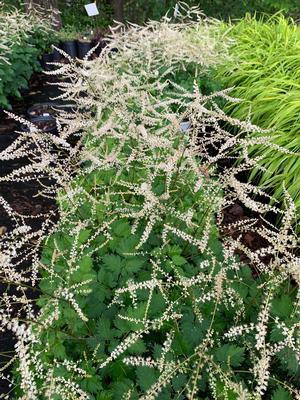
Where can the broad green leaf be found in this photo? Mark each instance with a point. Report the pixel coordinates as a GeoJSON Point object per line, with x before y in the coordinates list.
{"type": "Point", "coordinates": [146, 377]}
{"type": "Point", "coordinates": [178, 260]}
{"type": "Point", "coordinates": [281, 394]}
{"type": "Point", "coordinates": [282, 306]}
{"type": "Point", "coordinates": [231, 355]}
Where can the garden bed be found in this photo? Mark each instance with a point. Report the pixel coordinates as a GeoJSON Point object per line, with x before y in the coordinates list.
{"type": "Point", "coordinates": [21, 196]}
{"type": "Point", "coordinates": [140, 282]}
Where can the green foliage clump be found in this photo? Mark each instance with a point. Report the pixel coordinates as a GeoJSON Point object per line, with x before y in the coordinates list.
{"type": "Point", "coordinates": [160, 323]}
{"type": "Point", "coordinates": [140, 299]}
{"type": "Point", "coordinates": [265, 74]}
{"type": "Point", "coordinates": [140, 11]}
{"type": "Point", "coordinates": [24, 38]}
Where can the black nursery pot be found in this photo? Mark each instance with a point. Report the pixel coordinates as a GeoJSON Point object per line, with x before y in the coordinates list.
{"type": "Point", "coordinates": [44, 123]}
{"type": "Point", "coordinates": [47, 58]}
{"type": "Point", "coordinates": [8, 166]}
{"type": "Point", "coordinates": [97, 51]}
{"type": "Point", "coordinates": [70, 47]}
{"type": "Point", "coordinates": [40, 109]}
{"type": "Point", "coordinates": [104, 42]}
{"type": "Point", "coordinates": [56, 54]}
{"type": "Point", "coordinates": [83, 48]}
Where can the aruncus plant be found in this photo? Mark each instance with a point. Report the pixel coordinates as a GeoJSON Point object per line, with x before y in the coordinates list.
{"type": "Point", "coordinates": [139, 297]}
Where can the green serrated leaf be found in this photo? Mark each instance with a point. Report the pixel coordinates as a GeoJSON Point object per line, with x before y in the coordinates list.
{"type": "Point", "coordinates": [84, 235]}
{"type": "Point", "coordinates": [58, 350]}
{"type": "Point", "coordinates": [104, 329]}
{"type": "Point", "coordinates": [178, 260]}
{"type": "Point", "coordinates": [113, 262]}
{"type": "Point", "coordinates": [281, 394]}
{"type": "Point", "coordinates": [231, 355]}
{"type": "Point", "coordinates": [138, 347]}
{"type": "Point", "coordinates": [121, 228]}
{"type": "Point", "coordinates": [282, 306]}
{"type": "Point", "coordinates": [86, 264]}
{"type": "Point", "coordinates": [92, 384]}
{"type": "Point", "coordinates": [178, 382]}
{"type": "Point", "coordinates": [146, 377]}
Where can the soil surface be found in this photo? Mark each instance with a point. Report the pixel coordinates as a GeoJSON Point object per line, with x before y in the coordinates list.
{"type": "Point", "coordinates": [235, 215]}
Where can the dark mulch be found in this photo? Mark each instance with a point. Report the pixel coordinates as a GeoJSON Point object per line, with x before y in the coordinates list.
{"type": "Point", "coordinates": [22, 196]}
{"type": "Point", "coordinates": [237, 214]}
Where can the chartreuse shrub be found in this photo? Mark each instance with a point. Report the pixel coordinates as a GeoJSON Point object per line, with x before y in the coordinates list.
{"type": "Point", "coordinates": [265, 74]}
{"type": "Point", "coordinates": [23, 39]}
{"type": "Point", "coordinates": [139, 297]}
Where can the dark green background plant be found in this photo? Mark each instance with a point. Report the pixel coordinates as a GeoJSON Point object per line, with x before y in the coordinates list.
{"type": "Point", "coordinates": [154, 9]}
{"type": "Point", "coordinates": [75, 15]}
{"type": "Point", "coordinates": [139, 11]}
{"type": "Point", "coordinates": [22, 58]}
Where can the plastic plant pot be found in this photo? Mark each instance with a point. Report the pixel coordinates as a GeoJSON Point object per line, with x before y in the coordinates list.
{"type": "Point", "coordinates": [70, 47]}
{"type": "Point", "coordinates": [83, 47]}
{"type": "Point", "coordinates": [43, 109]}
{"type": "Point", "coordinates": [8, 166]}
{"type": "Point", "coordinates": [46, 59]}
{"type": "Point", "coordinates": [104, 42]}
{"type": "Point", "coordinates": [45, 123]}
{"type": "Point", "coordinates": [56, 54]}
{"type": "Point", "coordinates": [98, 50]}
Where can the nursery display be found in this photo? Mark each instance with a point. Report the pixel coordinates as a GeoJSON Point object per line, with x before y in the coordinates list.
{"type": "Point", "coordinates": [149, 199]}
{"type": "Point", "coordinates": [77, 44]}
{"type": "Point", "coordinates": [140, 11]}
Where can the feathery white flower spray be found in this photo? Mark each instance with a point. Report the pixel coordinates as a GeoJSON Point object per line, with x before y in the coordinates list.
{"type": "Point", "coordinates": [138, 170]}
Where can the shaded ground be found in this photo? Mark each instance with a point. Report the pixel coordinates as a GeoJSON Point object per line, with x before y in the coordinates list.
{"type": "Point", "coordinates": [250, 238]}
{"type": "Point", "coordinates": [22, 196]}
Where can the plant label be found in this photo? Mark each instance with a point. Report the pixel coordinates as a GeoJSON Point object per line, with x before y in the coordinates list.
{"type": "Point", "coordinates": [185, 126]}
{"type": "Point", "coordinates": [91, 9]}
